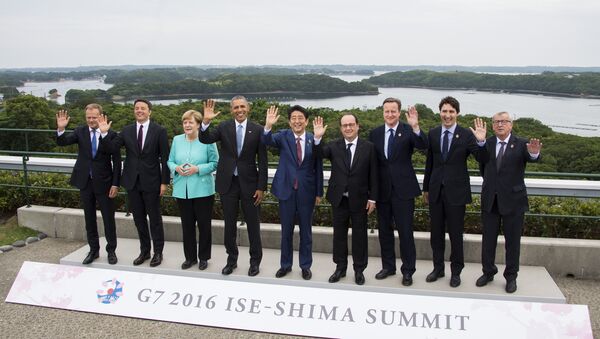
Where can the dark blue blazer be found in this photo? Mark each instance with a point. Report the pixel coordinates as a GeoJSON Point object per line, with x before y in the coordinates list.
{"type": "Point", "coordinates": [397, 173]}
{"type": "Point", "coordinates": [309, 173]}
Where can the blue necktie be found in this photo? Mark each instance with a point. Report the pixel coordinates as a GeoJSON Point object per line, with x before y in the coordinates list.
{"type": "Point", "coordinates": [94, 143]}
{"type": "Point", "coordinates": [390, 143]}
{"type": "Point", "coordinates": [445, 144]}
{"type": "Point", "coordinates": [239, 137]}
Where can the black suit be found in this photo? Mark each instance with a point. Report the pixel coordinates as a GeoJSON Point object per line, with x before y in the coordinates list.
{"type": "Point", "coordinates": [143, 173]}
{"type": "Point", "coordinates": [233, 189]}
{"type": "Point", "coordinates": [398, 187]}
{"type": "Point", "coordinates": [503, 201]}
{"type": "Point", "coordinates": [359, 181]}
{"type": "Point", "coordinates": [105, 171]}
{"type": "Point", "coordinates": [449, 187]}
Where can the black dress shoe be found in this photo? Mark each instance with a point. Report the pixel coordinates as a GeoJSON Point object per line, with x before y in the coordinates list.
{"type": "Point", "coordinates": [306, 274]}
{"type": "Point", "coordinates": [156, 260]}
{"type": "Point", "coordinates": [253, 270]}
{"type": "Point", "coordinates": [112, 258]}
{"type": "Point", "coordinates": [483, 280]}
{"type": "Point", "coordinates": [202, 264]}
{"type": "Point", "coordinates": [434, 275]}
{"type": "Point", "coordinates": [90, 257]}
{"type": "Point", "coordinates": [511, 286]}
{"type": "Point", "coordinates": [282, 272]}
{"type": "Point", "coordinates": [228, 269]}
{"type": "Point", "coordinates": [359, 278]}
{"type": "Point", "coordinates": [141, 258]}
{"type": "Point", "coordinates": [384, 273]}
{"type": "Point", "coordinates": [455, 280]}
{"type": "Point", "coordinates": [407, 279]}
{"type": "Point", "coordinates": [337, 275]}
{"type": "Point", "coordinates": [187, 264]}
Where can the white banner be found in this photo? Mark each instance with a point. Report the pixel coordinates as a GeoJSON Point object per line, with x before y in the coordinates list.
{"type": "Point", "coordinates": [291, 309]}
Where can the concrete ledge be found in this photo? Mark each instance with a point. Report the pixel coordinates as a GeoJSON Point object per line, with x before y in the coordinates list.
{"type": "Point", "coordinates": [559, 256]}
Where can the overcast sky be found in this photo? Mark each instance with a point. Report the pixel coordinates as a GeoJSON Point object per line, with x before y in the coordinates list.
{"type": "Point", "coordinates": [285, 32]}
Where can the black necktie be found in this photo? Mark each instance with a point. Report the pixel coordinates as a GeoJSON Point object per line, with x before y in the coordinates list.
{"type": "Point", "coordinates": [349, 155]}
{"type": "Point", "coordinates": [499, 156]}
{"type": "Point", "coordinates": [140, 137]}
{"type": "Point", "coordinates": [445, 144]}
{"type": "Point", "coordinates": [390, 143]}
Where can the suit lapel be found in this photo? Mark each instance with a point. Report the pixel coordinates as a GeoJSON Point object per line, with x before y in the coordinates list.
{"type": "Point", "coordinates": [133, 136]}
{"type": "Point", "coordinates": [290, 139]}
{"type": "Point", "coordinates": [456, 139]}
{"type": "Point", "coordinates": [308, 146]}
{"type": "Point", "coordinates": [87, 142]}
{"type": "Point", "coordinates": [357, 154]}
{"type": "Point", "coordinates": [231, 130]}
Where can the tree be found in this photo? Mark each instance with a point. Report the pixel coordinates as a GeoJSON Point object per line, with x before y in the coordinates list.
{"type": "Point", "coordinates": [27, 111]}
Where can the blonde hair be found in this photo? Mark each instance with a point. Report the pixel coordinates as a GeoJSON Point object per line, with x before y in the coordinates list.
{"type": "Point", "coordinates": [192, 114]}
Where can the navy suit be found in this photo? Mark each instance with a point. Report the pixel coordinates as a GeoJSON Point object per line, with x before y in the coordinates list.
{"type": "Point", "coordinates": [299, 201]}
{"type": "Point", "coordinates": [449, 187]}
{"type": "Point", "coordinates": [105, 171]}
{"type": "Point", "coordinates": [398, 187]}
{"type": "Point", "coordinates": [503, 201]}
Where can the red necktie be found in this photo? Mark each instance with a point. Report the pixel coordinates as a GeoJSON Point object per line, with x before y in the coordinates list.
{"type": "Point", "coordinates": [298, 151]}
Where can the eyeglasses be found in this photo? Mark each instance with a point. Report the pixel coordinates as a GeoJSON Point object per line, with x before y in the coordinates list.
{"type": "Point", "coordinates": [502, 122]}
{"type": "Point", "coordinates": [351, 125]}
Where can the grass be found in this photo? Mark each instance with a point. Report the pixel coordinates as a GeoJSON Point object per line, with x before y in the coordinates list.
{"type": "Point", "coordinates": [10, 231]}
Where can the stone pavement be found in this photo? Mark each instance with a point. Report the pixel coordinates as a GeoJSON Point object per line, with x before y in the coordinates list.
{"type": "Point", "coordinates": [25, 321]}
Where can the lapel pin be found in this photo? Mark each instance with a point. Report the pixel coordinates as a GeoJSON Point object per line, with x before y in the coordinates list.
{"type": "Point", "coordinates": [512, 146]}
{"type": "Point", "coordinates": [249, 132]}
{"type": "Point", "coordinates": [399, 134]}
{"type": "Point", "coordinates": [457, 136]}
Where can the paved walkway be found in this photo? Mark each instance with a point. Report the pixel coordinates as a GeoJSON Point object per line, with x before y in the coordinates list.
{"type": "Point", "coordinates": [24, 321]}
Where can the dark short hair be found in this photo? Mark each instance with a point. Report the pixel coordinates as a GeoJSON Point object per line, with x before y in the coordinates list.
{"type": "Point", "coordinates": [450, 101]}
{"type": "Point", "coordinates": [144, 101]}
{"type": "Point", "coordinates": [299, 109]}
{"type": "Point", "coordinates": [351, 114]}
{"type": "Point", "coordinates": [396, 100]}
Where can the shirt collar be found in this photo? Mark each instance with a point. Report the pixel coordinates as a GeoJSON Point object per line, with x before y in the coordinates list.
{"type": "Point", "coordinates": [301, 136]}
{"type": "Point", "coordinates": [505, 140]}
{"type": "Point", "coordinates": [243, 123]}
{"type": "Point", "coordinates": [395, 128]}
{"type": "Point", "coordinates": [144, 124]}
{"type": "Point", "coordinates": [352, 141]}
{"type": "Point", "coordinates": [451, 129]}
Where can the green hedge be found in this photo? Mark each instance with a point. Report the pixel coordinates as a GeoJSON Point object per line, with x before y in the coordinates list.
{"type": "Point", "coordinates": [64, 195]}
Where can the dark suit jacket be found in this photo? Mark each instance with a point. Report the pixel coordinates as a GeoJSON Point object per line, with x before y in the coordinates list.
{"type": "Point", "coordinates": [508, 185]}
{"type": "Point", "coordinates": [106, 166]}
{"type": "Point", "coordinates": [150, 164]}
{"type": "Point", "coordinates": [251, 178]}
{"type": "Point", "coordinates": [360, 180]}
{"type": "Point", "coordinates": [452, 173]}
{"type": "Point", "coordinates": [309, 173]}
{"type": "Point", "coordinates": [397, 173]}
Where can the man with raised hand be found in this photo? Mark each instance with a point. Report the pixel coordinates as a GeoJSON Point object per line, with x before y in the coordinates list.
{"type": "Point", "coordinates": [238, 178]}
{"type": "Point", "coordinates": [298, 184]}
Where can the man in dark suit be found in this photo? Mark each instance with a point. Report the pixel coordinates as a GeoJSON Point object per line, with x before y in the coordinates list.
{"type": "Point", "coordinates": [447, 187]}
{"type": "Point", "coordinates": [145, 176]}
{"type": "Point", "coordinates": [238, 179]}
{"type": "Point", "coordinates": [352, 193]}
{"type": "Point", "coordinates": [395, 143]}
{"type": "Point", "coordinates": [298, 184]}
{"type": "Point", "coordinates": [504, 197]}
{"type": "Point", "coordinates": [96, 173]}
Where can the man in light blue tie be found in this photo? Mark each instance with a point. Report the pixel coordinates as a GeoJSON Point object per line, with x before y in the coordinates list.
{"type": "Point", "coordinates": [238, 177]}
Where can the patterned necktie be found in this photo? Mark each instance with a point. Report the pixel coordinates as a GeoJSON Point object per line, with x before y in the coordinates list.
{"type": "Point", "coordinates": [499, 156]}
{"type": "Point", "coordinates": [390, 143]}
{"type": "Point", "coordinates": [140, 137]}
{"type": "Point", "coordinates": [239, 137]}
{"type": "Point", "coordinates": [298, 151]}
{"type": "Point", "coordinates": [445, 144]}
{"type": "Point", "coordinates": [349, 155]}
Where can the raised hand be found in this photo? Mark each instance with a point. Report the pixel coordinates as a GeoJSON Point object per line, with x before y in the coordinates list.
{"type": "Point", "coordinates": [534, 146]}
{"type": "Point", "coordinates": [103, 123]}
{"type": "Point", "coordinates": [412, 117]}
{"type": "Point", "coordinates": [272, 117]}
{"type": "Point", "coordinates": [62, 120]}
{"type": "Point", "coordinates": [318, 128]}
{"type": "Point", "coordinates": [209, 111]}
{"type": "Point", "coordinates": [480, 129]}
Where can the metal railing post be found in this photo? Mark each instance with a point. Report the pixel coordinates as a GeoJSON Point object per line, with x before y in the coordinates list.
{"type": "Point", "coordinates": [26, 181]}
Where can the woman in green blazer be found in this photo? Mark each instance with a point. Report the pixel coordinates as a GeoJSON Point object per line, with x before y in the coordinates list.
{"type": "Point", "coordinates": [192, 164]}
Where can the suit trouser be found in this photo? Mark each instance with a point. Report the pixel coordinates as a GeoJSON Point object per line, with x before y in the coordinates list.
{"type": "Point", "coordinates": [399, 212]}
{"type": "Point", "coordinates": [147, 203]}
{"type": "Point", "coordinates": [342, 217]}
{"type": "Point", "coordinates": [288, 210]}
{"type": "Point", "coordinates": [444, 216]}
{"type": "Point", "coordinates": [512, 225]}
{"type": "Point", "coordinates": [196, 212]}
{"type": "Point", "coordinates": [88, 197]}
{"type": "Point", "coordinates": [230, 202]}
